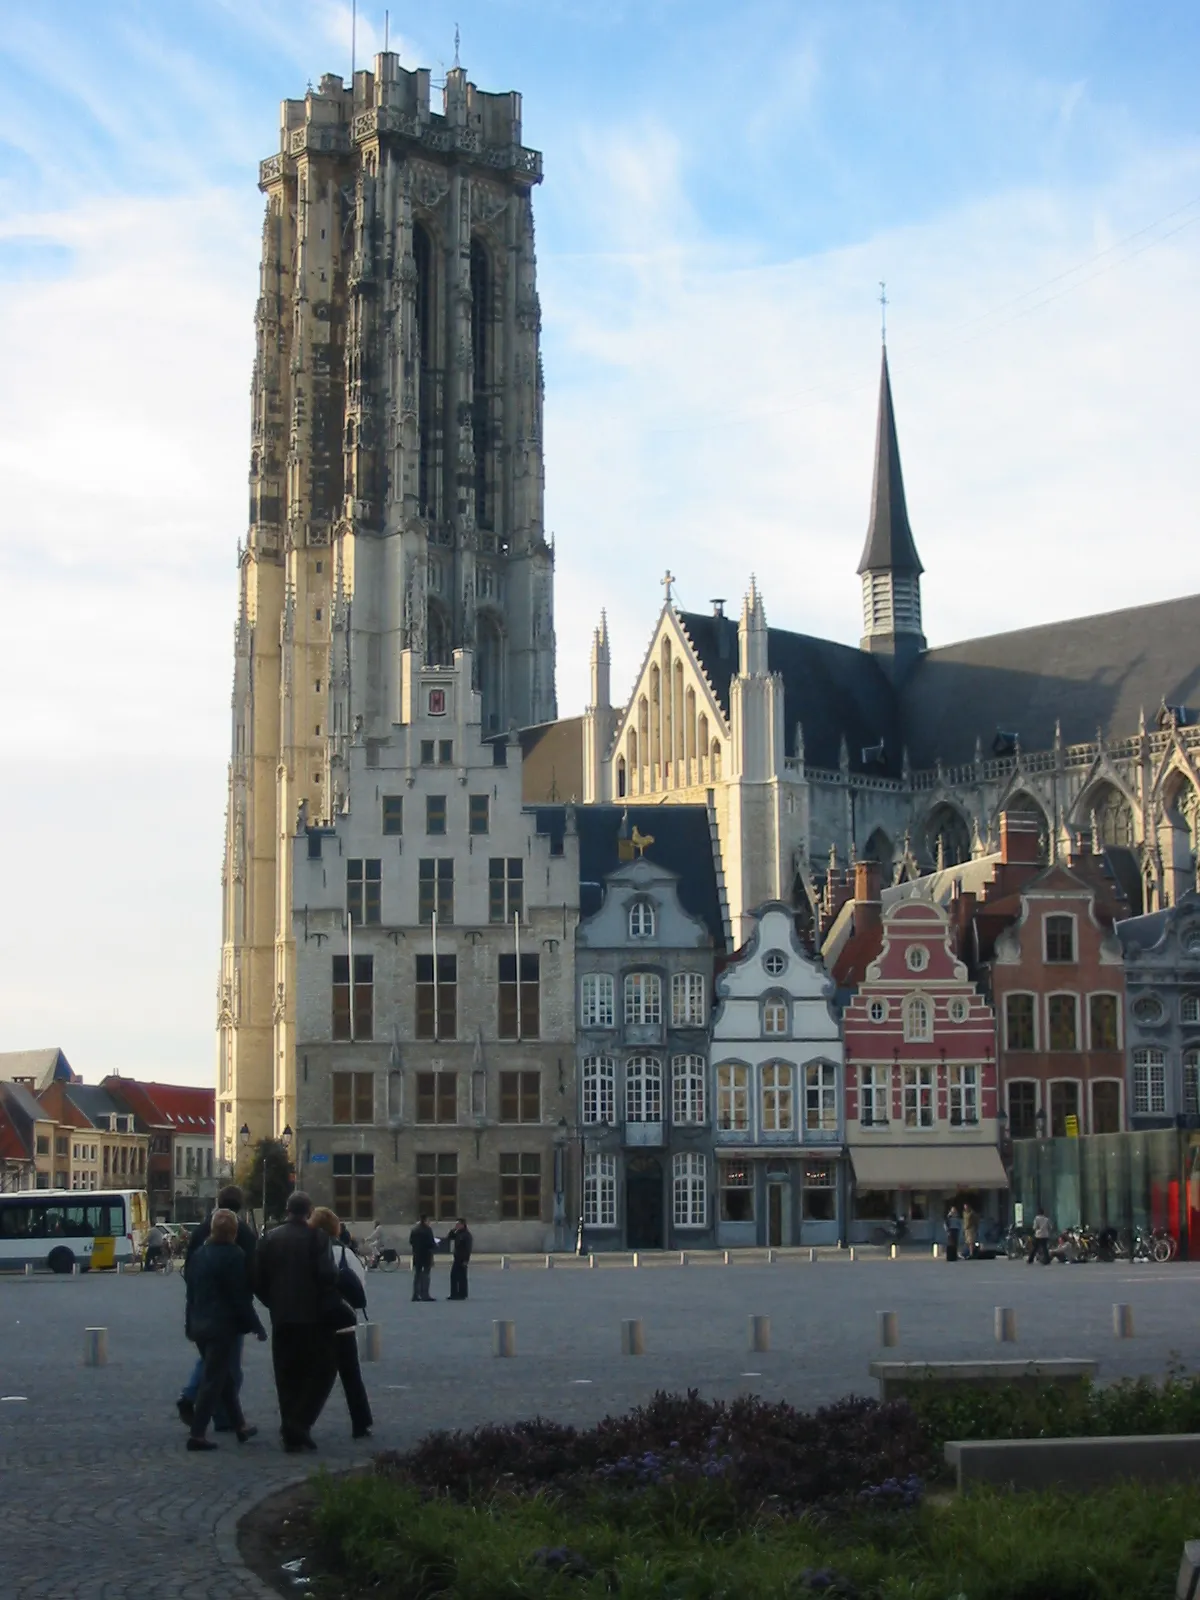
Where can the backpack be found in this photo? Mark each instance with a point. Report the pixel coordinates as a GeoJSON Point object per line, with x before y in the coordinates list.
{"type": "Point", "coordinates": [350, 1285]}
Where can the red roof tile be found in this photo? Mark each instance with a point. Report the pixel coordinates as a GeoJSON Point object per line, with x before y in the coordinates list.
{"type": "Point", "coordinates": [183, 1107]}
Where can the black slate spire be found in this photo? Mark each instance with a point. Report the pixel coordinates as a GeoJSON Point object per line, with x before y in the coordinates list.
{"type": "Point", "coordinates": [889, 546]}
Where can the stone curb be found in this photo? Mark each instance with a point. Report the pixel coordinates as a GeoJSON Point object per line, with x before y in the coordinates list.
{"type": "Point", "coordinates": [225, 1536]}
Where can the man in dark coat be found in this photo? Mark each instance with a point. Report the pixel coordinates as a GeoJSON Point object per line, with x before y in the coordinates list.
{"type": "Point", "coordinates": [221, 1312]}
{"type": "Point", "coordinates": [460, 1244]}
{"type": "Point", "coordinates": [422, 1244]}
{"type": "Point", "coordinates": [228, 1199]}
{"type": "Point", "coordinates": [295, 1277]}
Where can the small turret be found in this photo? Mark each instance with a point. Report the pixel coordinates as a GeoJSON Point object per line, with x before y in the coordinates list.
{"type": "Point", "coordinates": [752, 635]}
{"type": "Point", "coordinates": [890, 567]}
{"type": "Point", "coordinates": [601, 665]}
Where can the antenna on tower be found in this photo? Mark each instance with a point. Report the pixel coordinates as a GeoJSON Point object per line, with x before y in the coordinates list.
{"type": "Point", "coordinates": [883, 304]}
{"type": "Point", "coordinates": [456, 60]}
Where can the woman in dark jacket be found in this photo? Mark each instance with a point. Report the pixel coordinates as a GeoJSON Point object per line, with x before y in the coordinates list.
{"type": "Point", "coordinates": [220, 1309]}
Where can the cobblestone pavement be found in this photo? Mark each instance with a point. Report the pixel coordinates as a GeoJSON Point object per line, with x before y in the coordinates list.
{"type": "Point", "coordinates": [100, 1501]}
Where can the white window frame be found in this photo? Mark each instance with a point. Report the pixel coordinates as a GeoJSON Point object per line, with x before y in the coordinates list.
{"type": "Point", "coordinates": [1191, 1083]}
{"type": "Point", "coordinates": [643, 1089]}
{"type": "Point", "coordinates": [687, 1090]}
{"type": "Point", "coordinates": [688, 1009]}
{"type": "Point", "coordinates": [599, 1191]}
{"type": "Point", "coordinates": [820, 1097]}
{"type": "Point", "coordinates": [776, 1007]}
{"type": "Point", "coordinates": [1092, 1087]}
{"type": "Point", "coordinates": [598, 1080]}
{"type": "Point", "coordinates": [1112, 995]}
{"type": "Point", "coordinates": [733, 1097]}
{"type": "Point", "coordinates": [877, 1002]}
{"type": "Point", "coordinates": [1189, 1009]}
{"type": "Point", "coordinates": [963, 1084]}
{"type": "Point", "coordinates": [1023, 994]}
{"type": "Point", "coordinates": [918, 1091]}
{"type": "Point", "coordinates": [1149, 1076]}
{"type": "Point", "coordinates": [689, 1190]}
{"type": "Point", "coordinates": [1068, 916]}
{"type": "Point", "coordinates": [874, 1087]}
{"type": "Point", "coordinates": [958, 1009]}
{"type": "Point", "coordinates": [1062, 994]}
{"type": "Point", "coordinates": [913, 1033]}
{"type": "Point", "coordinates": [1080, 1101]}
{"type": "Point", "coordinates": [642, 920]}
{"type": "Point", "coordinates": [643, 999]}
{"type": "Point", "coordinates": [597, 1000]}
{"type": "Point", "coordinates": [777, 1086]}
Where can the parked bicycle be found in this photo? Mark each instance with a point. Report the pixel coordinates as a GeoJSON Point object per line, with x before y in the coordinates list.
{"type": "Point", "coordinates": [1017, 1242]}
{"type": "Point", "coordinates": [891, 1232]}
{"type": "Point", "coordinates": [381, 1258]}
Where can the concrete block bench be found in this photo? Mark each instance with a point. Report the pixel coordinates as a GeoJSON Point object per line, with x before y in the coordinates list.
{"type": "Point", "coordinates": [1188, 1586]}
{"type": "Point", "coordinates": [1076, 1463]}
{"type": "Point", "coordinates": [898, 1379]}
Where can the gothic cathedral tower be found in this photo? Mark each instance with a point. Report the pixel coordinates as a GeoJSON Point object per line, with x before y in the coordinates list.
{"type": "Point", "coordinates": [395, 490]}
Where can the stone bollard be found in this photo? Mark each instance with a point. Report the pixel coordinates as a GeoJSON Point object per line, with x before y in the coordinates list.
{"type": "Point", "coordinates": [633, 1338]}
{"type": "Point", "coordinates": [725, 1258]}
{"type": "Point", "coordinates": [889, 1329]}
{"type": "Point", "coordinates": [372, 1341]}
{"type": "Point", "coordinates": [812, 1255]}
{"type": "Point", "coordinates": [760, 1333]}
{"type": "Point", "coordinates": [853, 1257]}
{"type": "Point", "coordinates": [549, 1261]}
{"type": "Point", "coordinates": [504, 1263]}
{"type": "Point", "coordinates": [936, 1252]}
{"type": "Point", "coordinates": [1123, 1322]}
{"type": "Point", "coordinates": [74, 1269]}
{"type": "Point", "coordinates": [120, 1268]}
{"type": "Point", "coordinates": [95, 1347]}
{"type": "Point", "coordinates": [591, 1260]}
{"type": "Point", "coordinates": [770, 1258]}
{"type": "Point", "coordinates": [29, 1269]}
{"type": "Point", "coordinates": [504, 1338]}
{"type": "Point", "coordinates": [637, 1260]}
{"type": "Point", "coordinates": [683, 1260]}
{"type": "Point", "coordinates": [895, 1252]}
{"type": "Point", "coordinates": [1006, 1325]}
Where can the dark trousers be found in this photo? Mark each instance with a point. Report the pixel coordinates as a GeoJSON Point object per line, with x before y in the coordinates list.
{"type": "Point", "coordinates": [421, 1281]}
{"type": "Point", "coordinates": [458, 1280]}
{"type": "Point", "coordinates": [345, 1343]}
{"type": "Point", "coordinates": [218, 1384]}
{"type": "Point", "coordinates": [952, 1246]}
{"type": "Point", "coordinates": [1040, 1248]}
{"type": "Point", "coordinates": [305, 1364]}
{"type": "Point", "coordinates": [192, 1387]}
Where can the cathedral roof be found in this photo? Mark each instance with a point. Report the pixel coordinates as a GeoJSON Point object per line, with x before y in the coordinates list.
{"type": "Point", "coordinates": [889, 546]}
{"type": "Point", "coordinates": [1087, 673]}
{"type": "Point", "coordinates": [834, 691]}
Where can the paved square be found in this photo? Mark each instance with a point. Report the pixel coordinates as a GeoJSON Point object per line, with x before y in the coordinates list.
{"type": "Point", "coordinates": [100, 1501]}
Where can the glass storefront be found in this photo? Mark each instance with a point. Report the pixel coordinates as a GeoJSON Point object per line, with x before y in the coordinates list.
{"type": "Point", "coordinates": [1116, 1180]}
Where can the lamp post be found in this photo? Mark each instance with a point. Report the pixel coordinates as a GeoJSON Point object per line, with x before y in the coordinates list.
{"type": "Point", "coordinates": [285, 1139]}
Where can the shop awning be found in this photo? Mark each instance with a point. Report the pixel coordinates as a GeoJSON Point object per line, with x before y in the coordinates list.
{"type": "Point", "coordinates": [928, 1167]}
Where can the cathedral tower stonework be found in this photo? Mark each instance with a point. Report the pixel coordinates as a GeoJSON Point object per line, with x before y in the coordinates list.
{"type": "Point", "coordinates": [396, 491]}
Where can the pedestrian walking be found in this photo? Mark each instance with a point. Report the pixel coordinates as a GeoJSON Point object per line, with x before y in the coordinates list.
{"type": "Point", "coordinates": [460, 1245]}
{"type": "Point", "coordinates": [352, 1298]}
{"type": "Point", "coordinates": [295, 1278]}
{"type": "Point", "coordinates": [970, 1228]}
{"type": "Point", "coordinates": [422, 1244]}
{"type": "Point", "coordinates": [1040, 1245]}
{"type": "Point", "coordinates": [228, 1199]}
{"type": "Point", "coordinates": [221, 1311]}
{"type": "Point", "coordinates": [953, 1230]}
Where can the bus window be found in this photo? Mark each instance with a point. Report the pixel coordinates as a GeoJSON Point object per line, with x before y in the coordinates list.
{"type": "Point", "coordinates": [138, 1208]}
{"type": "Point", "coordinates": [106, 1220]}
{"type": "Point", "coordinates": [14, 1222]}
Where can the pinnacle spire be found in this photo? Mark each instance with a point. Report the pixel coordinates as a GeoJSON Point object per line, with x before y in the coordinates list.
{"type": "Point", "coordinates": [889, 546]}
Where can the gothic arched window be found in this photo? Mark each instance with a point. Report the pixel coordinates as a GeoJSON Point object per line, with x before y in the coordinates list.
{"type": "Point", "coordinates": [481, 338]}
{"type": "Point", "coordinates": [426, 382]}
{"type": "Point", "coordinates": [948, 837]}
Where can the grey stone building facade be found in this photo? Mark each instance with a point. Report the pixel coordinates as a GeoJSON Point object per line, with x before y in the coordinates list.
{"type": "Point", "coordinates": [434, 928]}
{"type": "Point", "coordinates": [644, 968]}
{"type": "Point", "coordinates": [1162, 1014]}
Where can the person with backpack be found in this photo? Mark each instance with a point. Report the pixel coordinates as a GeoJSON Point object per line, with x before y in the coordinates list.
{"type": "Point", "coordinates": [351, 1298]}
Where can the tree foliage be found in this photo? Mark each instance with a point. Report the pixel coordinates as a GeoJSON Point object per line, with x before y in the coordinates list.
{"type": "Point", "coordinates": [279, 1179]}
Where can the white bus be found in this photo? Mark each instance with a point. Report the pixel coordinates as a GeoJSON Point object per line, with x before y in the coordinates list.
{"type": "Point", "coordinates": [58, 1228]}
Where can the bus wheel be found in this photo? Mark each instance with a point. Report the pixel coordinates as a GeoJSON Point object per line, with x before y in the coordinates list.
{"type": "Point", "coordinates": [60, 1260]}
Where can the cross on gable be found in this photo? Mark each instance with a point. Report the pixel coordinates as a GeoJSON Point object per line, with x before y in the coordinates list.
{"type": "Point", "coordinates": [667, 579]}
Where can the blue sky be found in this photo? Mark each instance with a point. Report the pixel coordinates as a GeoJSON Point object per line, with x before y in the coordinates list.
{"type": "Point", "coordinates": [725, 185]}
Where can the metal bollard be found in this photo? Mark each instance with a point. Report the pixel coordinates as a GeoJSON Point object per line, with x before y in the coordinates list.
{"type": "Point", "coordinates": [889, 1329]}
{"type": "Point", "coordinates": [760, 1333]}
{"type": "Point", "coordinates": [74, 1269]}
{"type": "Point", "coordinates": [120, 1268]}
{"type": "Point", "coordinates": [549, 1261]}
{"type": "Point", "coordinates": [372, 1341]}
{"type": "Point", "coordinates": [812, 1254]}
{"type": "Point", "coordinates": [853, 1257]}
{"type": "Point", "coordinates": [504, 1263]}
{"type": "Point", "coordinates": [1006, 1325]}
{"type": "Point", "coordinates": [95, 1347]}
{"type": "Point", "coordinates": [726, 1257]}
{"type": "Point", "coordinates": [29, 1269]}
{"type": "Point", "coordinates": [683, 1260]}
{"type": "Point", "coordinates": [633, 1338]}
{"type": "Point", "coordinates": [895, 1252]}
{"type": "Point", "coordinates": [637, 1260]}
{"type": "Point", "coordinates": [936, 1252]}
{"type": "Point", "coordinates": [770, 1258]}
{"type": "Point", "coordinates": [591, 1260]}
{"type": "Point", "coordinates": [1123, 1322]}
{"type": "Point", "coordinates": [504, 1338]}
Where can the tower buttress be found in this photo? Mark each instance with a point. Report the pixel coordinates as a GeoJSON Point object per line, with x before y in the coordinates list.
{"type": "Point", "coordinates": [890, 567]}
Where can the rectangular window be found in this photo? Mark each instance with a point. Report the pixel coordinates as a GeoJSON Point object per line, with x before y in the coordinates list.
{"type": "Point", "coordinates": [520, 1097]}
{"type": "Point", "coordinates": [1189, 1008]}
{"type": "Point", "coordinates": [596, 1001]}
{"type": "Point", "coordinates": [445, 753]}
{"type": "Point", "coordinates": [435, 813]}
{"type": "Point", "coordinates": [60, 1146]}
{"type": "Point", "coordinates": [643, 1089]}
{"type": "Point", "coordinates": [426, 752]}
{"type": "Point", "coordinates": [477, 815]}
{"type": "Point", "coordinates": [506, 888]}
{"type": "Point", "coordinates": [1064, 1103]}
{"type": "Point", "coordinates": [733, 1098]}
{"type": "Point", "coordinates": [437, 1186]}
{"type": "Point", "coordinates": [687, 1000]}
{"type": "Point", "coordinates": [364, 998]}
{"type": "Point", "coordinates": [1060, 938]}
{"type": "Point", "coordinates": [393, 813]}
{"type": "Point", "coordinates": [435, 889]}
{"type": "Point", "coordinates": [687, 1089]}
{"type": "Point", "coordinates": [354, 1187]}
{"type": "Point", "coordinates": [820, 1098]}
{"type": "Point", "coordinates": [437, 1097]}
{"type": "Point", "coordinates": [737, 1192]}
{"type": "Point", "coordinates": [964, 1097]}
{"type": "Point", "coordinates": [437, 1003]}
{"type": "Point", "coordinates": [1102, 1016]}
{"type": "Point", "coordinates": [362, 891]}
{"type": "Point", "coordinates": [1106, 1106]}
{"type": "Point", "coordinates": [643, 999]}
{"type": "Point", "coordinates": [599, 1093]}
{"type": "Point", "coordinates": [600, 1192]}
{"type": "Point", "coordinates": [1191, 1083]}
{"type": "Point", "coordinates": [354, 1097]}
{"type": "Point", "coordinates": [1149, 1083]}
{"type": "Point", "coordinates": [874, 1093]}
{"type": "Point", "coordinates": [690, 1191]}
{"type": "Point", "coordinates": [1019, 1028]}
{"type": "Point", "coordinates": [918, 1097]}
{"type": "Point", "coordinates": [820, 1194]}
{"type": "Point", "coordinates": [777, 1097]}
{"type": "Point", "coordinates": [1061, 1010]}
{"type": "Point", "coordinates": [527, 1025]}
{"type": "Point", "coordinates": [43, 1144]}
{"type": "Point", "coordinates": [521, 1187]}
{"type": "Point", "coordinates": [775, 1018]}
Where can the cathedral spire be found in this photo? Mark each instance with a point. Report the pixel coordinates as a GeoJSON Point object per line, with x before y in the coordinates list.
{"type": "Point", "coordinates": [890, 567]}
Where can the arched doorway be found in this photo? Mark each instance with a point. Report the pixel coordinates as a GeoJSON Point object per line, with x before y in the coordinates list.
{"type": "Point", "coordinates": [644, 1208]}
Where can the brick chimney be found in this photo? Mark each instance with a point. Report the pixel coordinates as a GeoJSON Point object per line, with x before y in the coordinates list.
{"type": "Point", "coordinates": [868, 905]}
{"type": "Point", "coordinates": [1019, 839]}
